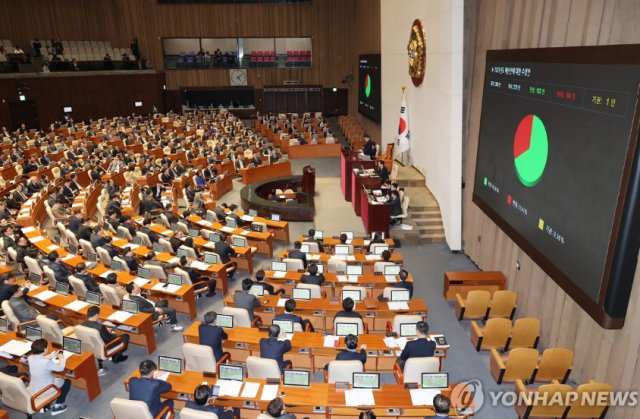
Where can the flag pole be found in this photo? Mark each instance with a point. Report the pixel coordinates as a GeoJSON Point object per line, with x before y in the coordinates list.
{"type": "Point", "coordinates": [404, 152]}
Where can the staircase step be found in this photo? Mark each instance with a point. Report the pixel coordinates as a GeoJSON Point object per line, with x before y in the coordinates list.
{"type": "Point", "coordinates": [421, 208]}
{"type": "Point", "coordinates": [428, 221]}
{"type": "Point", "coordinates": [435, 238]}
{"type": "Point", "coordinates": [425, 214]}
{"type": "Point", "coordinates": [410, 183]}
{"type": "Point", "coordinates": [432, 229]}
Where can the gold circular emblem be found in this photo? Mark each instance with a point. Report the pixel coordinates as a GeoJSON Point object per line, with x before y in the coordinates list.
{"type": "Point", "coordinates": [417, 52]}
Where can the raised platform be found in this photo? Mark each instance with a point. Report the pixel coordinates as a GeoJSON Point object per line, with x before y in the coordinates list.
{"type": "Point", "coordinates": [255, 196]}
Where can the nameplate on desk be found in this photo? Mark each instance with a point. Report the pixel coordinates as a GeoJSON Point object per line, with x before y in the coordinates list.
{"type": "Point", "coordinates": [319, 409]}
{"type": "Point", "coordinates": [372, 353]}
{"type": "Point", "coordinates": [249, 405]}
{"type": "Point", "coordinates": [273, 381]}
{"type": "Point", "coordinates": [328, 284]}
{"type": "Point", "coordinates": [263, 329]}
{"type": "Point", "coordinates": [207, 374]}
{"type": "Point", "coordinates": [343, 385]}
{"type": "Point", "coordinates": [317, 313]}
{"type": "Point", "coordinates": [370, 314]}
{"type": "Point", "coordinates": [384, 299]}
{"type": "Point", "coordinates": [391, 334]}
{"type": "Point", "coordinates": [327, 333]}
{"type": "Point", "coordinates": [239, 345]}
{"type": "Point", "coordinates": [393, 412]}
{"type": "Point", "coordinates": [289, 282]}
{"type": "Point", "coordinates": [410, 386]}
{"type": "Point", "coordinates": [285, 296]}
{"type": "Point", "coordinates": [300, 271]}
{"type": "Point", "coordinates": [339, 272]}
{"type": "Point", "coordinates": [304, 350]}
{"type": "Point", "coordinates": [368, 285]}
{"type": "Point", "coordinates": [377, 273]}
{"type": "Point", "coordinates": [334, 300]}
{"type": "Point", "coordinates": [269, 310]}
{"type": "Point", "coordinates": [438, 352]}
{"type": "Point", "coordinates": [421, 313]}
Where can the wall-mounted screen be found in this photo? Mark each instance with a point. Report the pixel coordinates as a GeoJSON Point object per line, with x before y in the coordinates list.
{"type": "Point", "coordinates": [554, 167]}
{"type": "Point", "coordinates": [369, 92]}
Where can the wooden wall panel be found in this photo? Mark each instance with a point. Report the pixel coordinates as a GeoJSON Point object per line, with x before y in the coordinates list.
{"type": "Point", "coordinates": [89, 96]}
{"type": "Point", "coordinates": [604, 355]}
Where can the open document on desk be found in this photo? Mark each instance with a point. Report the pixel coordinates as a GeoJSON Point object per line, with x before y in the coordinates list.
{"type": "Point", "coordinates": [423, 397]}
{"type": "Point", "coordinates": [359, 398]}
{"type": "Point", "coordinates": [229, 387]}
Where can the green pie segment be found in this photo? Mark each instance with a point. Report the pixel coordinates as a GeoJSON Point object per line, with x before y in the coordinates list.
{"type": "Point", "coordinates": [531, 150]}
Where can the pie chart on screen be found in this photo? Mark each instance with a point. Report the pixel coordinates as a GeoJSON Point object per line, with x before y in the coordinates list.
{"type": "Point", "coordinates": [530, 150]}
{"type": "Point", "coordinates": [367, 85]}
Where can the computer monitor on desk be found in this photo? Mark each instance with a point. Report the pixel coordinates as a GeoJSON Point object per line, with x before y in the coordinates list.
{"type": "Point", "coordinates": [224, 321]}
{"type": "Point", "coordinates": [408, 330]}
{"type": "Point", "coordinates": [301, 294]}
{"type": "Point", "coordinates": [286, 326]}
{"type": "Point", "coordinates": [130, 306]}
{"type": "Point", "coordinates": [214, 237]}
{"type": "Point", "coordinates": [257, 290]}
{"type": "Point", "coordinates": [354, 270]}
{"type": "Point", "coordinates": [279, 266]}
{"type": "Point", "coordinates": [355, 295]}
{"type": "Point", "coordinates": [345, 329]}
{"type": "Point", "coordinates": [231, 372]}
{"type": "Point", "coordinates": [158, 247]}
{"type": "Point", "coordinates": [32, 334]}
{"type": "Point", "coordinates": [400, 296]}
{"type": "Point", "coordinates": [390, 270]}
{"type": "Point", "coordinates": [93, 298]}
{"type": "Point", "coordinates": [182, 252]}
{"type": "Point", "coordinates": [341, 249]}
{"type": "Point", "coordinates": [253, 213]}
{"type": "Point", "coordinates": [435, 380]}
{"type": "Point", "coordinates": [210, 258]}
{"type": "Point", "coordinates": [62, 288]}
{"type": "Point", "coordinates": [231, 223]}
{"type": "Point", "coordinates": [174, 279]}
{"type": "Point", "coordinates": [366, 380]}
{"type": "Point", "coordinates": [169, 364]}
{"type": "Point", "coordinates": [298, 378]}
{"type": "Point", "coordinates": [379, 249]}
{"type": "Point", "coordinates": [239, 242]}
{"type": "Point", "coordinates": [144, 273]}
{"type": "Point", "coordinates": [305, 248]}
{"type": "Point", "coordinates": [275, 217]}
{"type": "Point", "coordinates": [35, 279]}
{"type": "Point", "coordinates": [72, 345]}
{"type": "Point", "coordinates": [319, 235]}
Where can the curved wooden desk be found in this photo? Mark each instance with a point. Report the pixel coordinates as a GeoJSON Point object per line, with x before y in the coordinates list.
{"type": "Point", "coordinates": [265, 172]}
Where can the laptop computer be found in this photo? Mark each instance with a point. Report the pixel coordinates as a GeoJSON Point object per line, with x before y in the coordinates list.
{"type": "Point", "coordinates": [62, 288]}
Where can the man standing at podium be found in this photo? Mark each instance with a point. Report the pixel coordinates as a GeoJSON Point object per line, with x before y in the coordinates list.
{"type": "Point", "coordinates": [369, 148]}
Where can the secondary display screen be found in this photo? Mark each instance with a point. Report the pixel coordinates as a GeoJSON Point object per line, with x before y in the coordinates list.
{"type": "Point", "coordinates": [369, 92]}
{"type": "Point", "coordinates": [553, 143]}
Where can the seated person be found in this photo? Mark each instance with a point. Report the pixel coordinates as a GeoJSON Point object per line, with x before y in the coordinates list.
{"type": "Point", "coordinates": [83, 275]}
{"type": "Point", "coordinates": [196, 278]}
{"type": "Point", "coordinates": [22, 310]}
{"type": "Point", "coordinates": [289, 307]}
{"type": "Point", "coordinates": [351, 354]}
{"type": "Point", "coordinates": [242, 299]}
{"type": "Point", "coordinates": [61, 272]}
{"type": "Point", "coordinates": [147, 388]}
{"type": "Point", "coordinates": [377, 239]}
{"type": "Point", "coordinates": [42, 367]}
{"type": "Point", "coordinates": [157, 308]}
{"type": "Point", "coordinates": [267, 287]}
{"type": "Point", "coordinates": [312, 276]}
{"type": "Point", "coordinates": [297, 254]}
{"type": "Point", "coordinates": [112, 282]}
{"type": "Point", "coordinates": [312, 239]}
{"type": "Point", "coordinates": [348, 304]}
{"type": "Point", "coordinates": [200, 402]}
{"type": "Point", "coordinates": [419, 348]}
{"type": "Point", "coordinates": [272, 348]}
{"type": "Point", "coordinates": [212, 335]}
{"type": "Point", "coordinates": [276, 410]}
{"type": "Point", "coordinates": [93, 314]}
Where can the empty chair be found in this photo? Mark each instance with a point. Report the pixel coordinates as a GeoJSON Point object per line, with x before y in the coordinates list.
{"type": "Point", "coordinates": [104, 256]}
{"type": "Point", "coordinates": [156, 271]}
{"type": "Point", "coordinates": [262, 368]}
{"type": "Point", "coordinates": [362, 326]}
{"type": "Point", "coordinates": [379, 266]}
{"type": "Point", "coordinates": [200, 358]}
{"type": "Point", "coordinates": [127, 234]}
{"type": "Point", "coordinates": [593, 401]}
{"type": "Point", "coordinates": [92, 342]}
{"type": "Point", "coordinates": [533, 406]}
{"type": "Point", "coordinates": [525, 334]}
{"type": "Point", "coordinates": [32, 265]}
{"type": "Point", "coordinates": [316, 291]}
{"type": "Point", "coordinates": [518, 364]}
{"type": "Point", "coordinates": [134, 409]}
{"type": "Point", "coordinates": [342, 371]}
{"type": "Point", "coordinates": [51, 331]}
{"type": "Point", "coordinates": [414, 367]}
{"type": "Point", "coordinates": [146, 241]}
{"type": "Point", "coordinates": [503, 304]}
{"type": "Point", "coordinates": [554, 364]}
{"type": "Point", "coordinates": [241, 317]}
{"type": "Point", "coordinates": [494, 335]}
{"type": "Point", "coordinates": [474, 307]}
{"type": "Point", "coordinates": [187, 413]}
{"type": "Point", "coordinates": [87, 247]}
{"type": "Point", "coordinates": [335, 265]}
{"type": "Point", "coordinates": [402, 319]}
{"type": "Point", "coordinates": [16, 395]}
{"type": "Point", "coordinates": [50, 275]}
{"type": "Point", "coordinates": [166, 245]}
{"type": "Point", "coordinates": [293, 264]}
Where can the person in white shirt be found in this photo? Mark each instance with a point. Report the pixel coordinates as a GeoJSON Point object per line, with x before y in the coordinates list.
{"type": "Point", "coordinates": [42, 368]}
{"type": "Point", "coordinates": [18, 50]}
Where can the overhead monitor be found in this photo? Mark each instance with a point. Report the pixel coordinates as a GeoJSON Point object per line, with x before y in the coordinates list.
{"type": "Point", "coordinates": [369, 89]}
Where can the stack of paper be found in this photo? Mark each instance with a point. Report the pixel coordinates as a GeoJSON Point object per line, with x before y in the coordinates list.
{"type": "Point", "coordinates": [392, 342]}
{"type": "Point", "coordinates": [16, 347]}
{"type": "Point", "coordinates": [281, 302]}
{"type": "Point", "coordinates": [174, 260]}
{"type": "Point", "coordinates": [167, 232]}
{"type": "Point", "coordinates": [28, 230]}
{"type": "Point", "coordinates": [141, 281]}
{"type": "Point", "coordinates": [250, 390]}
{"type": "Point", "coordinates": [36, 239]}
{"type": "Point", "coordinates": [423, 397]}
{"type": "Point", "coordinates": [204, 223]}
{"type": "Point", "coordinates": [330, 341]}
{"type": "Point", "coordinates": [45, 295]}
{"type": "Point", "coordinates": [279, 274]}
{"type": "Point", "coordinates": [359, 398]}
{"type": "Point", "coordinates": [76, 305]}
{"type": "Point", "coordinates": [130, 246]}
{"type": "Point", "coordinates": [313, 256]}
{"type": "Point", "coordinates": [372, 257]}
{"type": "Point", "coordinates": [342, 278]}
{"type": "Point", "coordinates": [339, 257]}
{"type": "Point", "coordinates": [352, 278]}
{"type": "Point", "coordinates": [245, 232]}
{"type": "Point", "coordinates": [69, 256]}
{"type": "Point", "coordinates": [269, 392]}
{"type": "Point", "coordinates": [229, 387]}
{"type": "Point", "coordinates": [120, 316]}
{"type": "Point", "coordinates": [163, 376]}
{"type": "Point", "coordinates": [105, 274]}
{"type": "Point", "coordinates": [391, 278]}
{"type": "Point", "coordinates": [171, 288]}
{"type": "Point", "coordinates": [227, 229]}
{"type": "Point", "coordinates": [200, 265]}
{"type": "Point", "coordinates": [351, 258]}
{"type": "Point", "coordinates": [210, 245]}
{"type": "Point", "coordinates": [247, 218]}
{"type": "Point", "coordinates": [396, 306]}
{"type": "Point", "coordinates": [53, 247]}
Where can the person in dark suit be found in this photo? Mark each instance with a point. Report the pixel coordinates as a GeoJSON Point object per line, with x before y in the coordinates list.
{"type": "Point", "coordinates": [256, 160]}
{"type": "Point", "coordinates": [45, 160]}
{"type": "Point", "coordinates": [377, 239]}
{"type": "Point", "coordinates": [196, 278]}
{"type": "Point", "coordinates": [148, 388]}
{"type": "Point", "coordinates": [421, 347]}
{"type": "Point", "coordinates": [347, 309]}
{"type": "Point", "coordinates": [297, 254]}
{"type": "Point", "coordinates": [272, 348]}
{"type": "Point", "coordinates": [176, 240]}
{"type": "Point", "coordinates": [441, 405]}
{"type": "Point", "coordinates": [18, 194]}
{"type": "Point", "coordinates": [127, 256]}
{"type": "Point", "coordinates": [242, 299]}
{"type": "Point", "coordinates": [114, 205]}
{"type": "Point", "coordinates": [212, 335]}
{"type": "Point", "coordinates": [312, 239]}
{"type": "Point", "coordinates": [403, 283]}
{"type": "Point", "coordinates": [289, 307]}
{"type": "Point", "coordinates": [396, 206]}
{"type": "Point", "coordinates": [84, 231]}
{"type": "Point", "coordinates": [312, 276]}
{"type": "Point", "coordinates": [160, 306]}
{"type": "Point", "coordinates": [109, 247]}
{"type": "Point", "coordinates": [224, 249]}
{"type": "Point", "coordinates": [146, 230]}
{"type": "Point", "coordinates": [96, 237]}
{"type": "Point", "coordinates": [267, 287]}
{"type": "Point", "coordinates": [369, 148]}
{"type": "Point", "coordinates": [84, 276]}
{"type": "Point", "coordinates": [61, 272]}
{"type": "Point", "coordinates": [219, 211]}
{"type": "Point", "coordinates": [170, 217]}
{"type": "Point", "coordinates": [382, 171]}
{"type": "Point", "coordinates": [238, 164]}
{"type": "Point", "coordinates": [7, 279]}
{"type": "Point", "coordinates": [200, 403]}
{"type": "Point", "coordinates": [75, 221]}
{"type": "Point", "coordinates": [233, 214]}
{"type": "Point", "coordinates": [93, 314]}
{"type": "Point", "coordinates": [351, 354]}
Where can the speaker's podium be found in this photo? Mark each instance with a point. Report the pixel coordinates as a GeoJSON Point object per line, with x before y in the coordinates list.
{"type": "Point", "coordinates": [350, 159]}
{"type": "Point", "coordinates": [309, 180]}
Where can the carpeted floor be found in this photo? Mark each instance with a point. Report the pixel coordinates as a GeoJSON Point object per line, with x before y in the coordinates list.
{"type": "Point", "coordinates": [426, 262]}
